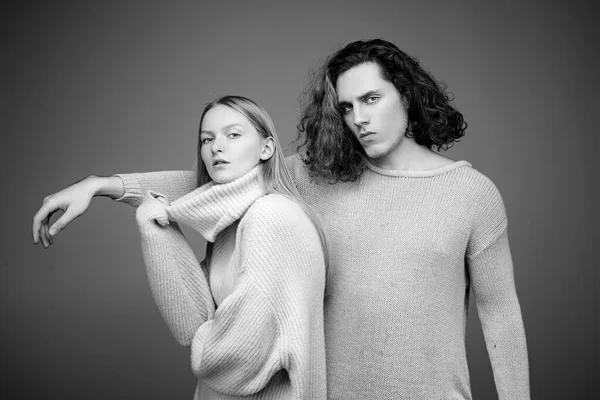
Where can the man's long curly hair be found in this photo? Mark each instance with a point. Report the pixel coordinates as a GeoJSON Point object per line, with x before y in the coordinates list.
{"type": "Point", "coordinates": [328, 146]}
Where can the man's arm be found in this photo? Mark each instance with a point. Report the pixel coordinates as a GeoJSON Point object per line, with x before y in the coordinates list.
{"type": "Point", "coordinates": [74, 201]}
{"type": "Point", "coordinates": [492, 278]}
{"type": "Point", "coordinates": [170, 184]}
{"type": "Point", "coordinates": [127, 188]}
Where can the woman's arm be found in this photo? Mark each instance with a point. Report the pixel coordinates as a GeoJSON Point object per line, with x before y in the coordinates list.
{"type": "Point", "coordinates": [178, 282]}
{"type": "Point", "coordinates": [239, 346]}
{"type": "Point", "coordinates": [272, 317]}
{"type": "Point", "coordinates": [273, 320]}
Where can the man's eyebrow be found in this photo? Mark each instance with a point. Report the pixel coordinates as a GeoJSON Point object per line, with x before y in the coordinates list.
{"type": "Point", "coordinates": [363, 96]}
{"type": "Point", "coordinates": [224, 128]}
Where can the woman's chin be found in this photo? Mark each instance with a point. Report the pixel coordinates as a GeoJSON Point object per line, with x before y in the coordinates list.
{"type": "Point", "coordinates": [223, 176]}
{"type": "Point", "coordinates": [225, 173]}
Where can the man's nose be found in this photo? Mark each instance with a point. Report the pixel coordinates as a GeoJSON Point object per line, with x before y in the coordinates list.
{"type": "Point", "coordinates": [360, 116]}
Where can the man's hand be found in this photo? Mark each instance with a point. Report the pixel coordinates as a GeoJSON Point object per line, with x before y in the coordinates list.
{"type": "Point", "coordinates": [73, 200]}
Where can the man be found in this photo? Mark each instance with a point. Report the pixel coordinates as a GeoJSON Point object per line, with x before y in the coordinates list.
{"type": "Point", "coordinates": [410, 231]}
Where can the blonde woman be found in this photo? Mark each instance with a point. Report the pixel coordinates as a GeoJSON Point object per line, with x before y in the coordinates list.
{"type": "Point", "coordinates": [252, 311]}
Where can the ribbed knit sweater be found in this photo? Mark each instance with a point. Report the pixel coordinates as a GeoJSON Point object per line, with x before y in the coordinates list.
{"type": "Point", "coordinates": [264, 339]}
{"type": "Point", "coordinates": [406, 248]}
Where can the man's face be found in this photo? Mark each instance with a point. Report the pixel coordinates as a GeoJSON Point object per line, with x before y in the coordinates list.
{"type": "Point", "coordinates": [373, 110]}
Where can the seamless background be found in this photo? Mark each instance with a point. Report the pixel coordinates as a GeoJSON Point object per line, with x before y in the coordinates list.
{"type": "Point", "coordinates": [117, 86]}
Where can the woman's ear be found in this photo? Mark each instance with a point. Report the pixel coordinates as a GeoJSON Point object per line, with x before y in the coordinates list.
{"type": "Point", "coordinates": [268, 149]}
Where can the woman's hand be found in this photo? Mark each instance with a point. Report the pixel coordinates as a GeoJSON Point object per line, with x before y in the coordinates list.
{"type": "Point", "coordinates": [74, 201]}
{"type": "Point", "coordinates": [153, 209]}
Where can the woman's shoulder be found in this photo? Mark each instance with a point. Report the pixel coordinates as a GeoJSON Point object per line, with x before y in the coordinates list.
{"type": "Point", "coordinates": [275, 208]}
{"type": "Point", "coordinates": [276, 223]}
{"type": "Point", "coordinates": [278, 214]}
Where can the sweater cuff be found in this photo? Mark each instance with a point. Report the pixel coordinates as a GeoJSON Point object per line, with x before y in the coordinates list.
{"type": "Point", "coordinates": [133, 189]}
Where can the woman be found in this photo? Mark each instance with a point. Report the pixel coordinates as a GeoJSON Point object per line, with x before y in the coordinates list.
{"type": "Point", "coordinates": [252, 312]}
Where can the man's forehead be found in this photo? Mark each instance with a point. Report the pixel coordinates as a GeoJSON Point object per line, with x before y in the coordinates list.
{"type": "Point", "coordinates": [358, 80]}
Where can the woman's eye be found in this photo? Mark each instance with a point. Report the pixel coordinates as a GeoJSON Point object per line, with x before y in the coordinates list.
{"type": "Point", "coordinates": [205, 140]}
{"type": "Point", "coordinates": [346, 108]}
{"type": "Point", "coordinates": [234, 135]}
{"type": "Point", "coordinates": [372, 99]}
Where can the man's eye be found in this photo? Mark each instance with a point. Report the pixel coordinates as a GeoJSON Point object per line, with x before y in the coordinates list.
{"type": "Point", "coordinates": [346, 108]}
{"type": "Point", "coordinates": [372, 99]}
{"type": "Point", "coordinates": [205, 140]}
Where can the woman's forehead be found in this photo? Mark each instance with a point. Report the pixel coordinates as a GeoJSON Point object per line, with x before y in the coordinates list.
{"type": "Point", "coordinates": [221, 117]}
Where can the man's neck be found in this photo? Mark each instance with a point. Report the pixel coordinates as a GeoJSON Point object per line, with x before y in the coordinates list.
{"type": "Point", "coordinates": [410, 156]}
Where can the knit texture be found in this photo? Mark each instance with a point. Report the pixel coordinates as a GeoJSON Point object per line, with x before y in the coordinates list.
{"type": "Point", "coordinates": [265, 339]}
{"type": "Point", "coordinates": [406, 248]}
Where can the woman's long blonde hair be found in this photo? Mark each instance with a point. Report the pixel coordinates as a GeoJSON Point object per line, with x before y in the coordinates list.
{"type": "Point", "coordinates": [275, 175]}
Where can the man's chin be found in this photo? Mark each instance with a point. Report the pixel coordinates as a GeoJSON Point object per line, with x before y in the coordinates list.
{"type": "Point", "coordinates": [374, 153]}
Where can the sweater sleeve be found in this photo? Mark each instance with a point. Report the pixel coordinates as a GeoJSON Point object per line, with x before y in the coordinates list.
{"type": "Point", "coordinates": [177, 281]}
{"type": "Point", "coordinates": [170, 184]}
{"type": "Point", "coordinates": [263, 326]}
{"type": "Point", "coordinates": [239, 351]}
{"type": "Point", "coordinates": [492, 278]}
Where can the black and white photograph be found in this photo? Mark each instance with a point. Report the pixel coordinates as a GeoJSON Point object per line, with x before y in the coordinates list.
{"type": "Point", "coordinates": [299, 200]}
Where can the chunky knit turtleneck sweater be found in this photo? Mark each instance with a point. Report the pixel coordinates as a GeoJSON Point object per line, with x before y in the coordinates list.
{"type": "Point", "coordinates": [406, 249]}
{"type": "Point", "coordinates": [265, 339]}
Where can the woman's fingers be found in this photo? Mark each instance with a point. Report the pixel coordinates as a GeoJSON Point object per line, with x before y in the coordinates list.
{"type": "Point", "coordinates": [162, 200]}
{"type": "Point", "coordinates": [153, 209]}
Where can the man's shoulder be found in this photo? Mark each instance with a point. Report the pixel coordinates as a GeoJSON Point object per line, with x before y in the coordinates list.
{"type": "Point", "coordinates": [473, 179]}
{"type": "Point", "coordinates": [299, 171]}
{"type": "Point", "coordinates": [294, 161]}
{"type": "Point", "coordinates": [480, 188]}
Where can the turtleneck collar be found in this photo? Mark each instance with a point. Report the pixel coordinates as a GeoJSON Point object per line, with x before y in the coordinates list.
{"type": "Point", "coordinates": [213, 207]}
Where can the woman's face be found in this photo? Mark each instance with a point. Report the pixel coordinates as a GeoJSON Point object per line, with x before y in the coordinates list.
{"type": "Point", "coordinates": [231, 145]}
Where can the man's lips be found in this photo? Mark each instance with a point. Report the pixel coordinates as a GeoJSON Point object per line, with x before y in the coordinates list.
{"type": "Point", "coordinates": [365, 134]}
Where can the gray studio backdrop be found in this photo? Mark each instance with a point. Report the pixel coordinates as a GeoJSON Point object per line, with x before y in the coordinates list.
{"type": "Point", "coordinates": [117, 86]}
